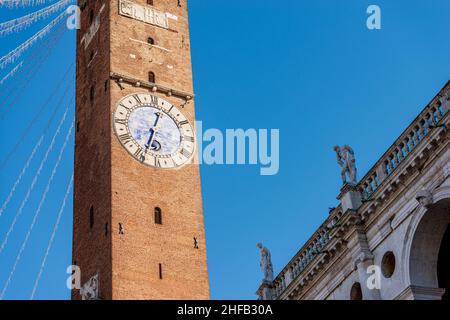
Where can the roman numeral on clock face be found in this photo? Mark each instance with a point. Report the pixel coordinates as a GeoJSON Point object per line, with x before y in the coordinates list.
{"type": "Point", "coordinates": [185, 153]}
{"type": "Point", "coordinates": [139, 154]}
{"type": "Point", "coordinates": [138, 100]}
{"type": "Point", "coordinates": [155, 100]}
{"type": "Point", "coordinates": [121, 121]}
{"type": "Point", "coordinates": [188, 138]}
{"type": "Point", "coordinates": [182, 123]}
{"type": "Point", "coordinates": [123, 106]}
{"type": "Point", "coordinates": [125, 138]}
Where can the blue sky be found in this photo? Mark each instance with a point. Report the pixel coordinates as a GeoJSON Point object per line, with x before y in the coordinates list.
{"type": "Point", "coordinates": [309, 68]}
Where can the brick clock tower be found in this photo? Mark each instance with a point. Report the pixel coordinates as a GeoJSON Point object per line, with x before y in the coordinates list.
{"type": "Point", "coordinates": [138, 218]}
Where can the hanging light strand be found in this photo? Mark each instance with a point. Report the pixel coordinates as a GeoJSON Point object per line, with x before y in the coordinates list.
{"type": "Point", "coordinates": [53, 94]}
{"type": "Point", "coordinates": [17, 52]}
{"type": "Point", "coordinates": [18, 24]}
{"type": "Point", "coordinates": [11, 73]}
{"type": "Point", "coordinates": [52, 238]}
{"type": "Point", "coordinates": [38, 211]}
{"type": "Point", "coordinates": [21, 3]}
{"type": "Point", "coordinates": [30, 69]}
{"type": "Point", "coordinates": [33, 183]}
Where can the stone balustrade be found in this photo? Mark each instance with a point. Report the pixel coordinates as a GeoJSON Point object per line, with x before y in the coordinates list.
{"type": "Point", "coordinates": [428, 119]}
{"type": "Point", "coordinates": [314, 247]}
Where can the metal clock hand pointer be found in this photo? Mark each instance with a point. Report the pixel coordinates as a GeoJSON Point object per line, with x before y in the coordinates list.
{"type": "Point", "coordinates": [153, 131]}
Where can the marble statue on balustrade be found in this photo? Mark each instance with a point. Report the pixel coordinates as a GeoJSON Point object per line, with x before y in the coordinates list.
{"type": "Point", "coordinates": [266, 263]}
{"type": "Point", "coordinates": [346, 160]}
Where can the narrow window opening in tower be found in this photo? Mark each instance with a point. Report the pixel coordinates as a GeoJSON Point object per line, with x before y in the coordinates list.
{"type": "Point", "coordinates": [150, 40]}
{"type": "Point", "coordinates": [121, 228]}
{"type": "Point", "coordinates": [151, 77]}
{"type": "Point", "coordinates": [91, 16]}
{"type": "Point", "coordinates": [78, 126]}
{"type": "Point", "coordinates": [195, 243]}
{"type": "Point", "coordinates": [160, 271]}
{"type": "Point", "coordinates": [106, 85]}
{"type": "Point", "coordinates": [83, 4]}
{"type": "Point", "coordinates": [150, 2]}
{"type": "Point", "coordinates": [92, 94]}
{"type": "Point", "coordinates": [91, 217]}
{"type": "Point", "coordinates": [106, 228]}
{"type": "Point", "coordinates": [179, 3]}
{"type": "Point", "coordinates": [158, 215]}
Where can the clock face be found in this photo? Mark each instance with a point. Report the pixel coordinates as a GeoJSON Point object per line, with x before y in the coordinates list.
{"type": "Point", "coordinates": [154, 131]}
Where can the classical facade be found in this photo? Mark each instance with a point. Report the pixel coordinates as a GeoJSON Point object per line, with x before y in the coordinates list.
{"type": "Point", "coordinates": [389, 238]}
{"type": "Point", "coordinates": [138, 218]}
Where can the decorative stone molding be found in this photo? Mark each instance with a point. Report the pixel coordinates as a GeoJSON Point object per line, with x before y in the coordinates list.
{"type": "Point", "coordinates": [425, 198]}
{"type": "Point", "coordinates": [265, 291]}
{"type": "Point", "coordinates": [122, 78]}
{"type": "Point", "coordinates": [421, 293]}
{"type": "Point", "coordinates": [446, 170]}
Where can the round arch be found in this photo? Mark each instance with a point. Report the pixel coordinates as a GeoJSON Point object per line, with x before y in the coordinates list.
{"type": "Point", "coordinates": [424, 241]}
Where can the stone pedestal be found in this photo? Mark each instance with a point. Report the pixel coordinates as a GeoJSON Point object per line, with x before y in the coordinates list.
{"type": "Point", "coordinates": [350, 197]}
{"type": "Point", "coordinates": [265, 291]}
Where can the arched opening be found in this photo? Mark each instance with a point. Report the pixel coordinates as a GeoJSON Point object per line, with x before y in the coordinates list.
{"type": "Point", "coordinates": [151, 77]}
{"type": "Point", "coordinates": [429, 270]}
{"type": "Point", "coordinates": [443, 265]}
{"type": "Point", "coordinates": [356, 292]}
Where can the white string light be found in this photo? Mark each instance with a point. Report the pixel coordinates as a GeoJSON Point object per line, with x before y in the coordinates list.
{"type": "Point", "coordinates": [17, 52]}
{"type": "Point", "coordinates": [22, 173]}
{"type": "Point", "coordinates": [44, 196]}
{"type": "Point", "coordinates": [33, 183]}
{"type": "Point", "coordinates": [11, 73]}
{"type": "Point", "coordinates": [52, 238]}
{"type": "Point", "coordinates": [18, 24]}
{"type": "Point", "coordinates": [21, 3]}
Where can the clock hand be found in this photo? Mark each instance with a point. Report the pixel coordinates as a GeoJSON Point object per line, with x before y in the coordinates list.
{"type": "Point", "coordinates": [158, 116]}
{"type": "Point", "coordinates": [151, 140]}
{"type": "Point", "coordinates": [153, 132]}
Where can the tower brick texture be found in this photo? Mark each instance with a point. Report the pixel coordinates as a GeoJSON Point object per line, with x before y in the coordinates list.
{"type": "Point", "coordinates": [121, 45]}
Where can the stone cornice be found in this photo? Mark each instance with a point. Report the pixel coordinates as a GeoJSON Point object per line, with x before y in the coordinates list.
{"type": "Point", "coordinates": [122, 78]}
{"type": "Point", "coordinates": [407, 171]}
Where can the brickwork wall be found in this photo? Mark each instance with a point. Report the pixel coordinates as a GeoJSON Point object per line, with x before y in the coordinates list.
{"type": "Point", "coordinates": [92, 185]}
{"type": "Point", "coordinates": [124, 190]}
